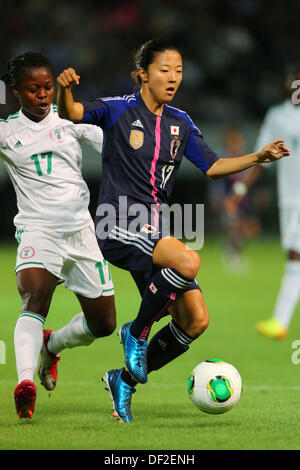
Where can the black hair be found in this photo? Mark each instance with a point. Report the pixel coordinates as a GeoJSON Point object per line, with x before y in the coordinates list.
{"type": "Point", "coordinates": [144, 56]}
{"type": "Point", "coordinates": [15, 67]}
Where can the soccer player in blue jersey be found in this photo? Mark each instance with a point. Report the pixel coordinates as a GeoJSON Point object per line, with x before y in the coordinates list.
{"type": "Point", "coordinates": [144, 142]}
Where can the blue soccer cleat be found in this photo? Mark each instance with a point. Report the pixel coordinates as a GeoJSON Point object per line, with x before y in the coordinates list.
{"type": "Point", "coordinates": [135, 351]}
{"type": "Point", "coordinates": [120, 393]}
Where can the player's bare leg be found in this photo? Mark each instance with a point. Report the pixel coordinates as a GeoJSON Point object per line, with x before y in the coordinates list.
{"type": "Point", "coordinates": [100, 314]}
{"type": "Point", "coordinates": [172, 253]}
{"type": "Point", "coordinates": [36, 287]}
{"type": "Point", "coordinates": [190, 313]}
{"type": "Point", "coordinates": [97, 319]}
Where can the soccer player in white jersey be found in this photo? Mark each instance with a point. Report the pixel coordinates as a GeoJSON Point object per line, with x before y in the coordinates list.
{"type": "Point", "coordinates": [284, 118]}
{"type": "Point", "coordinates": [54, 228]}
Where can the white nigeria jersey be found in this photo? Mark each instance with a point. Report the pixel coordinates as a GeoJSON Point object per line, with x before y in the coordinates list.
{"type": "Point", "coordinates": [283, 122]}
{"type": "Point", "coordinates": [44, 163]}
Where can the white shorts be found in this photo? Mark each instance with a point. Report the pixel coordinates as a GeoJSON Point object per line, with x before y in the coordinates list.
{"type": "Point", "coordinates": [290, 228]}
{"type": "Point", "coordinates": [74, 258]}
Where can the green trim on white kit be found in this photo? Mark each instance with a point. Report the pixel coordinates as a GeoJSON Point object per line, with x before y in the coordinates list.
{"type": "Point", "coordinates": [108, 290]}
{"type": "Point", "coordinates": [33, 315]}
{"type": "Point", "coordinates": [13, 116]}
{"type": "Point", "coordinates": [18, 235]}
{"type": "Point", "coordinates": [28, 262]}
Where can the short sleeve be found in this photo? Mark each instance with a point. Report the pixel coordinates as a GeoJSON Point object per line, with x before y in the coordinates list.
{"type": "Point", "coordinates": [90, 134]}
{"type": "Point", "coordinates": [94, 112]}
{"type": "Point", "coordinates": [197, 150]}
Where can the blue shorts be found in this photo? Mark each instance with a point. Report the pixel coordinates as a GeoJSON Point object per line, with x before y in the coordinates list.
{"type": "Point", "coordinates": [133, 252]}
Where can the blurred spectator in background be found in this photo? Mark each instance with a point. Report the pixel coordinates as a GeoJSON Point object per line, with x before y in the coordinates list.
{"type": "Point", "coordinates": [229, 46]}
{"type": "Point", "coordinates": [234, 56]}
{"type": "Point", "coordinates": [283, 121]}
{"type": "Point", "coordinates": [235, 215]}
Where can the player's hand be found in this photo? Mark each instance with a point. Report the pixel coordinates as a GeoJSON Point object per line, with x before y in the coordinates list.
{"type": "Point", "coordinates": [273, 151]}
{"type": "Point", "coordinates": [68, 78]}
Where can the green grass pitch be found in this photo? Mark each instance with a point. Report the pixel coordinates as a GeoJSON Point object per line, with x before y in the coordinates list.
{"type": "Point", "coordinates": [77, 414]}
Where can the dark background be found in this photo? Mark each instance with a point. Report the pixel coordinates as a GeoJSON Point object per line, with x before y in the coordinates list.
{"type": "Point", "coordinates": [235, 55]}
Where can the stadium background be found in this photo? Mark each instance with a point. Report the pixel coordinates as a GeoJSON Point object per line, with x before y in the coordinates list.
{"type": "Point", "coordinates": [235, 56]}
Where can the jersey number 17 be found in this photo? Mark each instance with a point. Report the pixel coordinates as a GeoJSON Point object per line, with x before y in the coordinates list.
{"type": "Point", "coordinates": [38, 158]}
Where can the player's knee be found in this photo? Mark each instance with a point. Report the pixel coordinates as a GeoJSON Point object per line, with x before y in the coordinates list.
{"type": "Point", "coordinates": [109, 327]}
{"type": "Point", "coordinates": [106, 328]}
{"type": "Point", "coordinates": [189, 264]}
{"type": "Point", "coordinates": [36, 300]}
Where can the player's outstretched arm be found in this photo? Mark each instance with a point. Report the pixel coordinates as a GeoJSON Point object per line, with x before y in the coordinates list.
{"type": "Point", "coordinates": [269, 153]}
{"type": "Point", "coordinates": [67, 107]}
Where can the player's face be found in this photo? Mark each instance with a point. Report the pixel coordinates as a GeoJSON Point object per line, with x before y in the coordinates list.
{"type": "Point", "coordinates": [164, 76]}
{"type": "Point", "coordinates": [36, 92]}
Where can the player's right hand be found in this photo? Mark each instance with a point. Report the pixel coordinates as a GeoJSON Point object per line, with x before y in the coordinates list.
{"type": "Point", "coordinates": [273, 151]}
{"type": "Point", "coordinates": [68, 78]}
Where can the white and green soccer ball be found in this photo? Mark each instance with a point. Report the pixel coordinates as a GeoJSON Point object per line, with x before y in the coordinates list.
{"type": "Point", "coordinates": [215, 386]}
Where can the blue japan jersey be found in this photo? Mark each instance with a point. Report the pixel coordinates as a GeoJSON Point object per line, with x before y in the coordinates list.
{"type": "Point", "coordinates": [142, 151]}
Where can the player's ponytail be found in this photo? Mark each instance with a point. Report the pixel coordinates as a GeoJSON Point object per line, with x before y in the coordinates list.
{"type": "Point", "coordinates": [15, 67]}
{"type": "Point", "coordinates": [144, 56]}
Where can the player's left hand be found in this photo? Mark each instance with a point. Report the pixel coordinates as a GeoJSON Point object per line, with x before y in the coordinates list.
{"type": "Point", "coordinates": [273, 151]}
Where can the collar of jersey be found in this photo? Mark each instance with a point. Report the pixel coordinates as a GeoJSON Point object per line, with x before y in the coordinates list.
{"type": "Point", "coordinates": [139, 100]}
{"type": "Point", "coordinates": [41, 123]}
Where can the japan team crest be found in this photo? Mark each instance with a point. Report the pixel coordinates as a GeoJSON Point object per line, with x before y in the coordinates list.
{"type": "Point", "coordinates": [175, 144]}
{"type": "Point", "coordinates": [58, 134]}
{"type": "Point", "coordinates": [136, 139]}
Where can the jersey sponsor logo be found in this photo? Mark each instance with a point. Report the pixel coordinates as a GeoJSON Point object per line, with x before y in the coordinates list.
{"type": "Point", "coordinates": [27, 252]}
{"type": "Point", "coordinates": [58, 134]}
{"type": "Point", "coordinates": [136, 139]}
{"type": "Point", "coordinates": [138, 123]}
{"type": "Point", "coordinates": [175, 144]}
{"type": "Point", "coordinates": [174, 130]}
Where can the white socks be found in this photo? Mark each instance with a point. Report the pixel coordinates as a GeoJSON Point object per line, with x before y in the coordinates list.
{"type": "Point", "coordinates": [75, 333]}
{"type": "Point", "coordinates": [28, 340]}
{"type": "Point", "coordinates": [288, 294]}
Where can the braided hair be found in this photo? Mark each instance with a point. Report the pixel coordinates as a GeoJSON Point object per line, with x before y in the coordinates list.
{"type": "Point", "coordinates": [15, 67]}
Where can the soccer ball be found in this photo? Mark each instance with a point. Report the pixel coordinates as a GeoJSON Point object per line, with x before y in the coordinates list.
{"type": "Point", "coordinates": [215, 386]}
